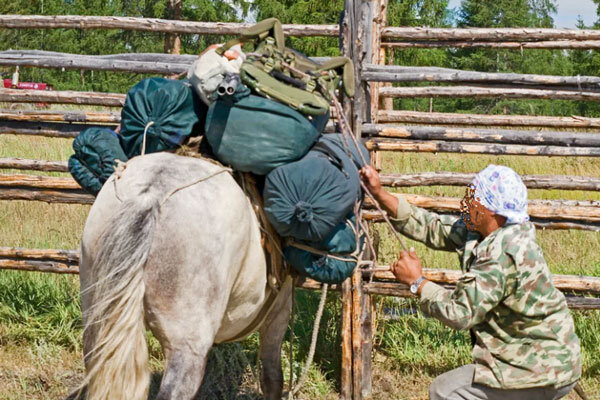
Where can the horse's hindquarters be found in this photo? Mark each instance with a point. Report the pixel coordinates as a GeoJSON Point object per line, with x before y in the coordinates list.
{"type": "Point", "coordinates": [204, 278]}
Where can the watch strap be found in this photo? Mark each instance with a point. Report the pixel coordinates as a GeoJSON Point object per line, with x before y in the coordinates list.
{"type": "Point", "coordinates": [416, 284]}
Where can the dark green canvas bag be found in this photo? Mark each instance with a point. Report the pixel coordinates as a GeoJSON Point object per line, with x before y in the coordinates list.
{"type": "Point", "coordinates": [96, 152]}
{"type": "Point", "coordinates": [167, 109]}
{"type": "Point", "coordinates": [341, 243]}
{"type": "Point", "coordinates": [255, 134]}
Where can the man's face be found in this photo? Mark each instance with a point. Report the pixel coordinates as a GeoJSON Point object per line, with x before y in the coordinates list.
{"type": "Point", "coordinates": [473, 213]}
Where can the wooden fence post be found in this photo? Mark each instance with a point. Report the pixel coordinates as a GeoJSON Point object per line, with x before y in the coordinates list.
{"type": "Point", "coordinates": [358, 42]}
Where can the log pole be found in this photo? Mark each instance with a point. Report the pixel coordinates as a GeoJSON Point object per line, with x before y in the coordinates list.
{"type": "Point", "coordinates": [503, 136]}
{"type": "Point", "coordinates": [33, 165]}
{"type": "Point", "coordinates": [151, 25]}
{"type": "Point", "coordinates": [487, 92]}
{"type": "Point", "coordinates": [489, 34]}
{"type": "Point", "coordinates": [437, 118]}
{"type": "Point", "coordinates": [477, 148]}
{"type": "Point", "coordinates": [558, 182]}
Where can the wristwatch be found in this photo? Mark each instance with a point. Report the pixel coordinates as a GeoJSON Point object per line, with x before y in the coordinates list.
{"type": "Point", "coordinates": [414, 287]}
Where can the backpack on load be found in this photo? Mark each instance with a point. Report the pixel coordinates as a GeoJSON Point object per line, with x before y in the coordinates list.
{"type": "Point", "coordinates": [275, 71]}
{"type": "Point", "coordinates": [255, 134]}
{"type": "Point", "coordinates": [160, 114]}
{"type": "Point", "coordinates": [332, 268]}
{"type": "Point", "coordinates": [96, 152]}
{"type": "Point", "coordinates": [308, 198]}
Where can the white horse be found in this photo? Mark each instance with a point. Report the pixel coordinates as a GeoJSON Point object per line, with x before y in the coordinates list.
{"type": "Point", "coordinates": [174, 245]}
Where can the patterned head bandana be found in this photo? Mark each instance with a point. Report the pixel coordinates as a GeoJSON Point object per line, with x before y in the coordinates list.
{"type": "Point", "coordinates": [501, 190]}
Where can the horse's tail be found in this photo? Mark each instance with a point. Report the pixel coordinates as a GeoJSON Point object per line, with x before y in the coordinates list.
{"type": "Point", "coordinates": [116, 364]}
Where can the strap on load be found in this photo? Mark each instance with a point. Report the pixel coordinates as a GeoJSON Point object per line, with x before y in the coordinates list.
{"type": "Point", "coordinates": [288, 76]}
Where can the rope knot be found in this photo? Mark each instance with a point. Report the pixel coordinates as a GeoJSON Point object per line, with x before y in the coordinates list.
{"type": "Point", "coordinates": [303, 212]}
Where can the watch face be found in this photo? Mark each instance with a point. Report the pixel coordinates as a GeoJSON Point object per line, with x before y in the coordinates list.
{"type": "Point", "coordinates": [414, 288]}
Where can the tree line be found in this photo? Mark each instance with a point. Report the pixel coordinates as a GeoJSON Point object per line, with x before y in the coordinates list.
{"type": "Point", "coordinates": [433, 13]}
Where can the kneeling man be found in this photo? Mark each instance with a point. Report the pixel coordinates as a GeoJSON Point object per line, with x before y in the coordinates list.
{"type": "Point", "coordinates": [525, 346]}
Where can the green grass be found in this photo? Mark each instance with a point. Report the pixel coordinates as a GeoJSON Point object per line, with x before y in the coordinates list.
{"type": "Point", "coordinates": [40, 333]}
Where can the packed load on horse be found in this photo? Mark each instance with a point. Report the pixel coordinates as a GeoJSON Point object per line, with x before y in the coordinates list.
{"type": "Point", "coordinates": [261, 111]}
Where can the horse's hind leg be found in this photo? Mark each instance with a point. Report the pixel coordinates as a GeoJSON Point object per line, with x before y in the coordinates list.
{"type": "Point", "coordinates": [271, 338]}
{"type": "Point", "coordinates": [184, 322]}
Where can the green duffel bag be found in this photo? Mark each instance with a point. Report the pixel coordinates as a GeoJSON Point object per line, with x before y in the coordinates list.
{"type": "Point", "coordinates": [166, 110]}
{"type": "Point", "coordinates": [96, 153]}
{"type": "Point", "coordinates": [337, 265]}
{"type": "Point", "coordinates": [255, 134]}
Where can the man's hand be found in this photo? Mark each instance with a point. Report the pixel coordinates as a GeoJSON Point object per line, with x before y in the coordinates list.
{"type": "Point", "coordinates": [407, 269]}
{"type": "Point", "coordinates": [371, 179]}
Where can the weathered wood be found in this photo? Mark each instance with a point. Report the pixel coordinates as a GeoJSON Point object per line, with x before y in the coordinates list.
{"type": "Point", "coordinates": [436, 118]}
{"type": "Point", "coordinates": [570, 210]}
{"type": "Point", "coordinates": [489, 34]}
{"type": "Point", "coordinates": [357, 349]}
{"type": "Point", "coordinates": [47, 129]}
{"type": "Point", "coordinates": [502, 136]}
{"type": "Point", "coordinates": [39, 182]}
{"type": "Point", "coordinates": [151, 25]}
{"type": "Point", "coordinates": [565, 283]}
{"type": "Point", "coordinates": [391, 289]}
{"type": "Point", "coordinates": [486, 92]}
{"type": "Point", "coordinates": [397, 73]}
{"type": "Point", "coordinates": [375, 217]}
{"type": "Point", "coordinates": [20, 253]}
{"type": "Point", "coordinates": [47, 195]}
{"type": "Point", "coordinates": [478, 148]}
{"type": "Point", "coordinates": [39, 266]}
{"type": "Point", "coordinates": [61, 116]}
{"type": "Point", "coordinates": [64, 97]}
{"type": "Point", "coordinates": [346, 368]}
{"type": "Point", "coordinates": [33, 165]}
{"type": "Point", "coordinates": [93, 63]}
{"type": "Point", "coordinates": [561, 182]}
{"type": "Point", "coordinates": [138, 57]}
{"type": "Point", "coordinates": [546, 44]}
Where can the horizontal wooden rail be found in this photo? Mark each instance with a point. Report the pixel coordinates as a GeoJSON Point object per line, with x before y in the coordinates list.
{"type": "Point", "coordinates": [477, 148]}
{"type": "Point", "coordinates": [47, 195]}
{"type": "Point", "coordinates": [63, 97]}
{"type": "Point", "coordinates": [437, 118]}
{"type": "Point", "coordinates": [61, 116]}
{"type": "Point", "coordinates": [488, 34]}
{"type": "Point", "coordinates": [39, 182]}
{"type": "Point", "coordinates": [47, 129]}
{"type": "Point", "coordinates": [95, 63]}
{"type": "Point", "coordinates": [33, 165]}
{"type": "Point", "coordinates": [486, 92]}
{"type": "Point", "coordinates": [397, 73]}
{"type": "Point", "coordinates": [546, 44]}
{"type": "Point", "coordinates": [556, 210]}
{"type": "Point", "coordinates": [565, 283]}
{"type": "Point", "coordinates": [501, 136]}
{"type": "Point", "coordinates": [40, 254]}
{"type": "Point", "coordinates": [395, 289]}
{"type": "Point", "coordinates": [558, 182]}
{"type": "Point", "coordinates": [151, 25]}
{"type": "Point", "coordinates": [65, 261]}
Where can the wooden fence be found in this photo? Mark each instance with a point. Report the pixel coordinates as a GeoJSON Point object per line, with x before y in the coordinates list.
{"type": "Point", "coordinates": [370, 43]}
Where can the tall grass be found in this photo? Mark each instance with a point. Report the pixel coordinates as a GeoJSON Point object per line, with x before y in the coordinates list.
{"type": "Point", "coordinates": [40, 334]}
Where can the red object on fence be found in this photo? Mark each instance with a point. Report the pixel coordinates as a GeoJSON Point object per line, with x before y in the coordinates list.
{"type": "Point", "coordinates": [28, 85]}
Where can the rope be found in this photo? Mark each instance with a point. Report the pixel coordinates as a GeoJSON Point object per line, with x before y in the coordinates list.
{"type": "Point", "coordinates": [322, 252]}
{"type": "Point", "coordinates": [148, 125]}
{"type": "Point", "coordinates": [313, 345]}
{"type": "Point", "coordinates": [204, 178]}
{"type": "Point", "coordinates": [345, 127]}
